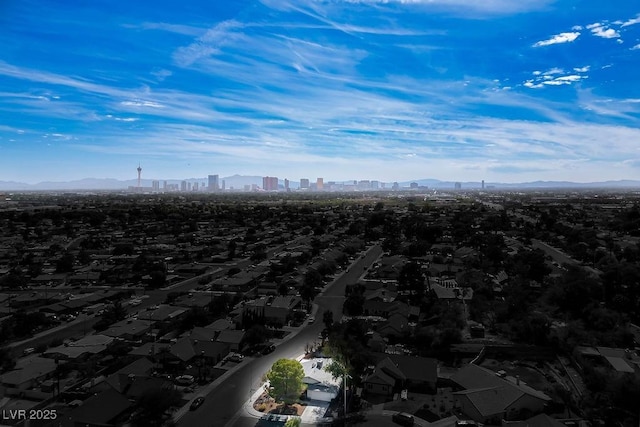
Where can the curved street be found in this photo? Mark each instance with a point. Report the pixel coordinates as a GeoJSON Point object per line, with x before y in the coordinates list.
{"type": "Point", "coordinates": [223, 403]}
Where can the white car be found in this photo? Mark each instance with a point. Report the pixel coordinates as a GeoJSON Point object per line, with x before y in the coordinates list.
{"type": "Point", "coordinates": [312, 319]}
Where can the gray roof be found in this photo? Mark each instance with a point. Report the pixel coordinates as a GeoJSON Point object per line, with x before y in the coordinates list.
{"type": "Point", "coordinates": [35, 367]}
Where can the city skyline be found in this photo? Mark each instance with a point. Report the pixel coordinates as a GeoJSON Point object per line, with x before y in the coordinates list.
{"type": "Point", "coordinates": [455, 90]}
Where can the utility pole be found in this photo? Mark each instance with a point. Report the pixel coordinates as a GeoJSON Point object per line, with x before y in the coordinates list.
{"type": "Point", "coordinates": [344, 384]}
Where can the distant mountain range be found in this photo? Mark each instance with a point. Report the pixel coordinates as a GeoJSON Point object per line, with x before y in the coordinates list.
{"type": "Point", "coordinates": [239, 181]}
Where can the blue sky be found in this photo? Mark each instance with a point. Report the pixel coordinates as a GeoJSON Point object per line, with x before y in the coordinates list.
{"type": "Point", "coordinates": [500, 90]}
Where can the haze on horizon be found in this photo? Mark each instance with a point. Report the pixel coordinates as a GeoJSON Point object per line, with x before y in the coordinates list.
{"type": "Point", "coordinates": [390, 90]}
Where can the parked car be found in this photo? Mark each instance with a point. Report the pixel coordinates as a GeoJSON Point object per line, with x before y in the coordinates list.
{"type": "Point", "coordinates": [185, 380]}
{"type": "Point", "coordinates": [196, 403]}
{"type": "Point", "coordinates": [403, 419]}
{"type": "Point", "coordinates": [236, 357]}
{"type": "Point", "coordinates": [312, 319]}
{"type": "Point", "coordinates": [269, 348]}
{"type": "Point", "coordinates": [28, 351]}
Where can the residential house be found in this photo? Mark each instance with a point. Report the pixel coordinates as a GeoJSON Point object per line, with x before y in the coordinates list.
{"type": "Point", "coordinates": [488, 398]}
{"type": "Point", "coordinates": [234, 338]}
{"type": "Point", "coordinates": [149, 349]}
{"type": "Point", "coordinates": [320, 383]}
{"type": "Point", "coordinates": [203, 334]}
{"type": "Point", "coordinates": [164, 313]}
{"type": "Point", "coordinates": [376, 342]}
{"type": "Point", "coordinates": [281, 308]}
{"type": "Point", "coordinates": [379, 382]}
{"type": "Point", "coordinates": [28, 373]}
{"type": "Point", "coordinates": [617, 359]}
{"type": "Point", "coordinates": [137, 386]}
{"type": "Point", "coordinates": [84, 347]}
{"type": "Point", "coordinates": [108, 408]}
{"type": "Point", "coordinates": [220, 325]}
{"type": "Point", "coordinates": [395, 372]}
{"type": "Point", "coordinates": [540, 420]}
{"type": "Point", "coordinates": [447, 290]}
{"type": "Point", "coordinates": [187, 350]}
{"type": "Point", "coordinates": [397, 325]}
{"type": "Point", "coordinates": [120, 379]}
{"type": "Point", "coordinates": [192, 301]}
{"type": "Point", "coordinates": [128, 329]}
{"type": "Point", "coordinates": [33, 299]}
{"type": "Point", "coordinates": [240, 283]}
{"type": "Point", "coordinates": [421, 373]}
{"type": "Point", "coordinates": [272, 310]}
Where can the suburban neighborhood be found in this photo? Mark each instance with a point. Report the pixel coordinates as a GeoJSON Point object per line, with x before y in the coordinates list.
{"type": "Point", "coordinates": [415, 308]}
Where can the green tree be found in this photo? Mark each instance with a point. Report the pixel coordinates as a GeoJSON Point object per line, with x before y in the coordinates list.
{"type": "Point", "coordinates": [7, 361]}
{"type": "Point", "coordinates": [232, 246]}
{"type": "Point", "coordinates": [259, 253]}
{"type": "Point", "coordinates": [293, 422]}
{"type": "Point", "coordinates": [65, 263]}
{"type": "Point", "coordinates": [112, 314]}
{"type": "Point", "coordinates": [312, 280]}
{"type": "Point", "coordinates": [257, 334]}
{"type": "Point", "coordinates": [411, 280]}
{"type": "Point", "coordinates": [285, 380]}
{"type": "Point", "coordinates": [327, 318]}
{"type": "Point", "coordinates": [158, 279]}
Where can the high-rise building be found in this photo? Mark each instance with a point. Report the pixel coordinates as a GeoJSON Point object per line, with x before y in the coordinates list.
{"type": "Point", "coordinates": [457, 186]}
{"type": "Point", "coordinates": [375, 185]}
{"type": "Point", "coordinates": [395, 186]}
{"type": "Point", "coordinates": [483, 184]}
{"type": "Point", "coordinates": [270, 183]}
{"type": "Point", "coordinates": [224, 185]}
{"type": "Point", "coordinates": [183, 186]}
{"type": "Point", "coordinates": [164, 186]}
{"type": "Point", "coordinates": [214, 183]}
{"type": "Point", "coordinates": [139, 169]}
{"type": "Point", "coordinates": [320, 184]}
{"type": "Point", "coordinates": [286, 184]}
{"type": "Point", "coordinates": [364, 185]}
{"type": "Point", "coordinates": [304, 183]}
{"type": "Point", "coordinates": [155, 186]}
{"type": "Point", "coordinates": [195, 186]}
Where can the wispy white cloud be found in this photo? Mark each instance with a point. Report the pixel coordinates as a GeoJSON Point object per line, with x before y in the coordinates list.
{"type": "Point", "coordinates": [632, 21]}
{"type": "Point", "coordinates": [603, 31]}
{"type": "Point", "coordinates": [210, 43]}
{"type": "Point", "coordinates": [161, 74]}
{"type": "Point", "coordinates": [636, 47]}
{"type": "Point", "coordinates": [555, 77]}
{"type": "Point", "coordinates": [186, 30]}
{"type": "Point", "coordinates": [315, 88]}
{"type": "Point", "coordinates": [558, 38]}
{"type": "Point", "coordinates": [456, 6]}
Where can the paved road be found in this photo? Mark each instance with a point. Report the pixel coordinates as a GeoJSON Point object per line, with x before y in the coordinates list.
{"type": "Point", "coordinates": [557, 255]}
{"type": "Point", "coordinates": [223, 404]}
